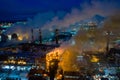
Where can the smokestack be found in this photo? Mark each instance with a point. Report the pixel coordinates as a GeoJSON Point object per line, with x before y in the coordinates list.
{"type": "Point", "coordinates": [56, 36]}
{"type": "Point", "coordinates": [108, 33]}
{"type": "Point", "coordinates": [32, 35]}
{"type": "Point", "coordinates": [40, 36]}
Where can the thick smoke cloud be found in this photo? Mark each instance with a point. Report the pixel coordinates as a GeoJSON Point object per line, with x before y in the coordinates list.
{"type": "Point", "coordinates": [105, 8]}
{"type": "Point", "coordinates": [49, 21]}
{"type": "Point", "coordinates": [113, 23]}
{"type": "Point", "coordinates": [82, 39]}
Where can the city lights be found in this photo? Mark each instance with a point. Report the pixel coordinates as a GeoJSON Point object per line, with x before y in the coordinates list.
{"type": "Point", "coordinates": [94, 59]}
{"type": "Point", "coordinates": [60, 40]}
{"type": "Point", "coordinates": [20, 38]}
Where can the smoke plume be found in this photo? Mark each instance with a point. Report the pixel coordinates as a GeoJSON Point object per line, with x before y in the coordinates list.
{"type": "Point", "coordinates": [49, 21]}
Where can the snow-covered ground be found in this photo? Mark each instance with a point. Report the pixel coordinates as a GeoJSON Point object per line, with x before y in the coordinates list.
{"type": "Point", "coordinates": [14, 74]}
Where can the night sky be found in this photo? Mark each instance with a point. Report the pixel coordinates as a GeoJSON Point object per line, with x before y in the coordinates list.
{"type": "Point", "coordinates": [23, 9]}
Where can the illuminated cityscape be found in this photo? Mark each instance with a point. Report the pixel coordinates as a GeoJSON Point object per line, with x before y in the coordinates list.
{"type": "Point", "coordinates": [60, 40]}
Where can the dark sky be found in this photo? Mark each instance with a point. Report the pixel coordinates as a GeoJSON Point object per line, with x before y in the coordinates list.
{"type": "Point", "coordinates": [10, 9]}
{"type": "Point", "coordinates": [22, 9]}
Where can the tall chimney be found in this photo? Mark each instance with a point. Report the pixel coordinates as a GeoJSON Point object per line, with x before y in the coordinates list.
{"type": "Point", "coordinates": [108, 34]}
{"type": "Point", "coordinates": [40, 36]}
{"type": "Point", "coordinates": [56, 36]}
{"type": "Point", "coordinates": [32, 35]}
